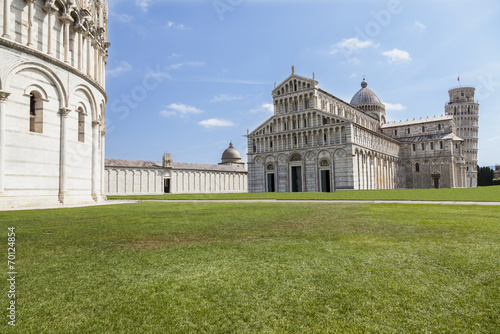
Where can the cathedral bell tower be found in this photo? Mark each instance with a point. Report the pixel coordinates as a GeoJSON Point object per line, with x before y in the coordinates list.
{"type": "Point", "coordinates": [465, 112]}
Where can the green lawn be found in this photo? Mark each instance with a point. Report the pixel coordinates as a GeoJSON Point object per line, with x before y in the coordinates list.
{"type": "Point", "coordinates": [483, 194]}
{"type": "Point", "coordinates": [256, 267]}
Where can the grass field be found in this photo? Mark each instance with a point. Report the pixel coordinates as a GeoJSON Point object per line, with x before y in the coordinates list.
{"type": "Point", "coordinates": [483, 194]}
{"type": "Point", "coordinates": [256, 268]}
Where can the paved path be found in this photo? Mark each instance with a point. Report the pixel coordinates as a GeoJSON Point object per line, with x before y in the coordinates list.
{"type": "Point", "coordinates": [328, 201]}
{"type": "Point", "coordinates": [114, 202]}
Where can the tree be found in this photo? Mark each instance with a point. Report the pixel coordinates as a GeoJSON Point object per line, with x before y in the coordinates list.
{"type": "Point", "coordinates": [485, 176]}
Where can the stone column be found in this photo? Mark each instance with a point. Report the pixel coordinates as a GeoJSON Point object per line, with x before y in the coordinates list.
{"type": "Point", "coordinates": [95, 45]}
{"type": "Point", "coordinates": [3, 99]}
{"type": "Point", "coordinates": [102, 162]}
{"type": "Point", "coordinates": [95, 159]}
{"type": "Point", "coordinates": [6, 19]}
{"type": "Point", "coordinates": [50, 9]}
{"type": "Point", "coordinates": [30, 22]}
{"type": "Point", "coordinates": [66, 20]}
{"type": "Point", "coordinates": [88, 37]}
{"type": "Point", "coordinates": [63, 112]}
{"type": "Point", "coordinates": [79, 36]}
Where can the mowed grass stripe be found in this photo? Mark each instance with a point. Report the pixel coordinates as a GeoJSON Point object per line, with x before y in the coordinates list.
{"type": "Point", "coordinates": [246, 268]}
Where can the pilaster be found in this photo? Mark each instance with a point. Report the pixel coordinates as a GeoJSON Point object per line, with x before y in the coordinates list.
{"type": "Point", "coordinates": [3, 99]}
{"type": "Point", "coordinates": [63, 112]}
{"type": "Point", "coordinates": [95, 160]}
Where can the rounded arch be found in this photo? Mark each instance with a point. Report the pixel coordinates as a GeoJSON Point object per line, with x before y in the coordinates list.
{"type": "Point", "coordinates": [91, 99]}
{"type": "Point", "coordinates": [44, 70]}
{"type": "Point", "coordinates": [61, 6]}
{"type": "Point", "coordinates": [34, 87]}
{"type": "Point", "coordinates": [295, 157]}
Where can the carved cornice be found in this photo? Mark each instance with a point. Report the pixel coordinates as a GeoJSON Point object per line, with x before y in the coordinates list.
{"type": "Point", "coordinates": [95, 123]}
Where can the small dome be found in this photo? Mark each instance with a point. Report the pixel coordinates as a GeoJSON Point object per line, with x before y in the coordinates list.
{"type": "Point", "coordinates": [364, 95]}
{"type": "Point", "coordinates": [231, 154]}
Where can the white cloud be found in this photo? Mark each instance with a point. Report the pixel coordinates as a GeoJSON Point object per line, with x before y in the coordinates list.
{"type": "Point", "coordinates": [178, 26]}
{"type": "Point", "coordinates": [175, 109]}
{"type": "Point", "coordinates": [174, 55]}
{"type": "Point", "coordinates": [397, 56]}
{"type": "Point", "coordinates": [395, 106]}
{"type": "Point", "coordinates": [493, 140]}
{"type": "Point", "coordinates": [214, 122]}
{"type": "Point", "coordinates": [225, 98]}
{"type": "Point", "coordinates": [267, 108]}
{"type": "Point", "coordinates": [420, 26]}
{"type": "Point", "coordinates": [185, 64]}
{"type": "Point", "coordinates": [123, 18]}
{"type": "Point", "coordinates": [122, 67]}
{"type": "Point", "coordinates": [352, 45]}
{"type": "Point", "coordinates": [143, 4]}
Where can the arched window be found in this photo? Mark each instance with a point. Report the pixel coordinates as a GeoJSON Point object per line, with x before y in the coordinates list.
{"type": "Point", "coordinates": [417, 167]}
{"type": "Point", "coordinates": [36, 112]}
{"type": "Point", "coordinates": [81, 125]}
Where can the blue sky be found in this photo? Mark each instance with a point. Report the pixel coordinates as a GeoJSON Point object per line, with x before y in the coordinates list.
{"type": "Point", "coordinates": [189, 76]}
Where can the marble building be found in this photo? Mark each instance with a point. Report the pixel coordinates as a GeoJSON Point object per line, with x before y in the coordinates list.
{"type": "Point", "coordinates": [52, 101]}
{"type": "Point", "coordinates": [316, 142]}
{"type": "Point", "coordinates": [132, 177]}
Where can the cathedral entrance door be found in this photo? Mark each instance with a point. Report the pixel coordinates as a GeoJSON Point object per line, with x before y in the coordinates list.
{"type": "Point", "coordinates": [436, 182]}
{"type": "Point", "coordinates": [325, 181]}
{"type": "Point", "coordinates": [297, 179]}
{"type": "Point", "coordinates": [270, 183]}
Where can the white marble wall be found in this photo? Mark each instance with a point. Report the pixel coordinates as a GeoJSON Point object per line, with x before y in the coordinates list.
{"type": "Point", "coordinates": [51, 166]}
{"type": "Point", "coordinates": [137, 181]}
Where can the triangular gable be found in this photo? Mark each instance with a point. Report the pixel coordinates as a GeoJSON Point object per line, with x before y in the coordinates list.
{"type": "Point", "coordinates": [294, 77]}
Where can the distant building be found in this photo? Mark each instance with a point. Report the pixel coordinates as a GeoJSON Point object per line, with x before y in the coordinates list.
{"type": "Point", "coordinates": [131, 177]}
{"type": "Point", "coordinates": [497, 171]}
{"type": "Point", "coordinates": [316, 142]}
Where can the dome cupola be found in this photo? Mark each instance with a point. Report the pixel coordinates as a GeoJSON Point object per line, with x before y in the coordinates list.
{"type": "Point", "coordinates": [232, 157]}
{"type": "Point", "coordinates": [364, 95]}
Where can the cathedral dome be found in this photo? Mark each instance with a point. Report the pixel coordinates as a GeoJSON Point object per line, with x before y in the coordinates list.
{"type": "Point", "coordinates": [364, 96]}
{"type": "Point", "coordinates": [231, 154]}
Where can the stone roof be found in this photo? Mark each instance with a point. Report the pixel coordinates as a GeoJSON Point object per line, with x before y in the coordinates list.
{"type": "Point", "coordinates": [365, 96]}
{"type": "Point", "coordinates": [231, 154]}
{"type": "Point", "coordinates": [175, 165]}
{"type": "Point", "coordinates": [418, 121]}
{"type": "Point", "coordinates": [418, 139]}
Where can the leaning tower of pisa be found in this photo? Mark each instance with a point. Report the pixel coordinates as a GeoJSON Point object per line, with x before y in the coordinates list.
{"type": "Point", "coordinates": [465, 112]}
{"type": "Point", "coordinates": [52, 101]}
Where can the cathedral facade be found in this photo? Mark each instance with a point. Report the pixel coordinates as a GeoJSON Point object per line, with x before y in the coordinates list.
{"type": "Point", "coordinates": [316, 142]}
{"type": "Point", "coordinates": [52, 101]}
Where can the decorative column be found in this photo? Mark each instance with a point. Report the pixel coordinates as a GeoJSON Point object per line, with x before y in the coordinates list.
{"type": "Point", "coordinates": [3, 99]}
{"type": "Point", "coordinates": [79, 32]}
{"type": "Point", "coordinates": [66, 20]}
{"type": "Point", "coordinates": [95, 45]}
{"type": "Point", "coordinates": [6, 19]}
{"type": "Point", "coordinates": [50, 9]}
{"type": "Point", "coordinates": [30, 22]}
{"type": "Point", "coordinates": [88, 46]}
{"type": "Point", "coordinates": [102, 162]}
{"type": "Point", "coordinates": [63, 112]}
{"type": "Point", "coordinates": [95, 159]}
